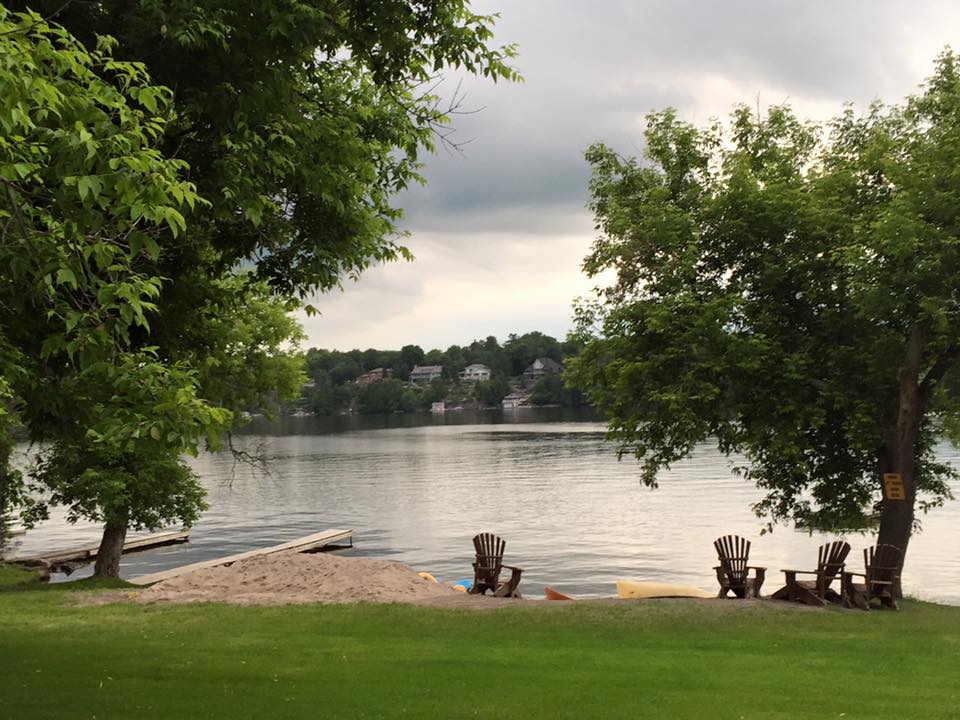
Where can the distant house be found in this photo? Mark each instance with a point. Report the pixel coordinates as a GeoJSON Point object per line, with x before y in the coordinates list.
{"type": "Point", "coordinates": [514, 400]}
{"type": "Point", "coordinates": [475, 373]}
{"type": "Point", "coordinates": [438, 407]}
{"type": "Point", "coordinates": [541, 367]}
{"type": "Point", "coordinates": [375, 375]}
{"type": "Point", "coordinates": [425, 373]}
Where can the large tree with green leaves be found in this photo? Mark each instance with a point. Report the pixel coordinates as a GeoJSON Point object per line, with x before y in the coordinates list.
{"type": "Point", "coordinates": [789, 291]}
{"type": "Point", "coordinates": [274, 139]}
{"type": "Point", "coordinates": [86, 201]}
{"type": "Point", "coordinates": [300, 120]}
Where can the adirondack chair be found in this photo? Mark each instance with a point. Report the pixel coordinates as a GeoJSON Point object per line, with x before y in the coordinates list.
{"type": "Point", "coordinates": [882, 572]}
{"type": "Point", "coordinates": [830, 561]}
{"type": "Point", "coordinates": [734, 553]}
{"type": "Point", "coordinates": [489, 563]}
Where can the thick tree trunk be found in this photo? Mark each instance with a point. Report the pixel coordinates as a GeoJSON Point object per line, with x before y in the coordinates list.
{"type": "Point", "coordinates": [896, 516]}
{"type": "Point", "coordinates": [111, 548]}
{"type": "Point", "coordinates": [899, 451]}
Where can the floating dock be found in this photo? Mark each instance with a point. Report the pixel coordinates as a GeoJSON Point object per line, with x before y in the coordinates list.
{"type": "Point", "coordinates": [89, 552]}
{"type": "Point", "coordinates": [326, 540]}
{"type": "Point", "coordinates": [13, 526]}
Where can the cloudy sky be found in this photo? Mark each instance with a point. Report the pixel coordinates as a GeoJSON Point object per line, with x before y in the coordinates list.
{"type": "Point", "coordinates": [500, 231]}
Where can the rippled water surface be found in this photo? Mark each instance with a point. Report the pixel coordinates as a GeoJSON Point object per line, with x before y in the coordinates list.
{"type": "Point", "coordinates": [572, 515]}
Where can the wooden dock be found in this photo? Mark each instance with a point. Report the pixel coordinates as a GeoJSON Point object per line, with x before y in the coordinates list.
{"type": "Point", "coordinates": [326, 540]}
{"type": "Point", "coordinates": [13, 526]}
{"type": "Point", "coordinates": [89, 552]}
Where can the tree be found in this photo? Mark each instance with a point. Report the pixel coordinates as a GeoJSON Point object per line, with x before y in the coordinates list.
{"type": "Point", "coordinates": [85, 197]}
{"type": "Point", "coordinates": [435, 391]}
{"type": "Point", "coordinates": [550, 390]}
{"type": "Point", "coordinates": [385, 396]}
{"type": "Point", "coordinates": [410, 356]}
{"type": "Point", "coordinates": [790, 292]}
{"type": "Point", "coordinates": [524, 349]}
{"type": "Point", "coordinates": [346, 370]}
{"type": "Point", "coordinates": [489, 393]}
{"type": "Point", "coordinates": [297, 124]}
{"type": "Point", "coordinates": [299, 121]}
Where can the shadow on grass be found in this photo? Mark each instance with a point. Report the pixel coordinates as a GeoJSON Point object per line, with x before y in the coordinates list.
{"type": "Point", "coordinates": [17, 579]}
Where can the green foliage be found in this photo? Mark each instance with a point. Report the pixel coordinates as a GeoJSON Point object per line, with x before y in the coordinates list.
{"type": "Point", "coordinates": [245, 343]}
{"type": "Point", "coordinates": [787, 290]}
{"type": "Point", "coordinates": [410, 356]}
{"type": "Point", "coordinates": [143, 490]}
{"type": "Point", "coordinates": [299, 121]}
{"type": "Point", "coordinates": [296, 124]}
{"type": "Point", "coordinates": [550, 390]}
{"type": "Point", "coordinates": [11, 480]}
{"type": "Point", "coordinates": [332, 372]}
{"type": "Point", "coordinates": [386, 396]}
{"type": "Point", "coordinates": [85, 192]}
{"type": "Point", "coordinates": [436, 391]}
{"type": "Point", "coordinates": [524, 349]}
{"type": "Point", "coordinates": [87, 198]}
{"type": "Point", "coordinates": [489, 393]}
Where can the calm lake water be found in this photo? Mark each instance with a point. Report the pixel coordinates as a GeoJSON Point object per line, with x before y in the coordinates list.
{"type": "Point", "coordinates": [417, 488]}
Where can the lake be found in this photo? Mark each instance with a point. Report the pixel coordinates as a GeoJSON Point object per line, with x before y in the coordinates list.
{"type": "Point", "coordinates": [416, 489]}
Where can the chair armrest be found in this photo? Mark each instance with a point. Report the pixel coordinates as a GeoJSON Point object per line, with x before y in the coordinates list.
{"type": "Point", "coordinates": [799, 572]}
{"type": "Point", "coordinates": [756, 567]}
{"type": "Point", "coordinates": [847, 572]}
{"type": "Point", "coordinates": [512, 567]}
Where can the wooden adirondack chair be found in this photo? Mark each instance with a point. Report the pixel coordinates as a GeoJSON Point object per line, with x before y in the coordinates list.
{"type": "Point", "coordinates": [734, 553]}
{"type": "Point", "coordinates": [882, 566]}
{"type": "Point", "coordinates": [830, 561]}
{"type": "Point", "coordinates": [489, 563]}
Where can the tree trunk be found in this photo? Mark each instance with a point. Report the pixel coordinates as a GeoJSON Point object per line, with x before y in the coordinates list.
{"type": "Point", "coordinates": [896, 516]}
{"type": "Point", "coordinates": [111, 547]}
{"type": "Point", "coordinates": [899, 451]}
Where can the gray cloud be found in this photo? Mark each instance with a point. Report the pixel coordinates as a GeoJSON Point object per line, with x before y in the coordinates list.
{"type": "Point", "coordinates": [507, 219]}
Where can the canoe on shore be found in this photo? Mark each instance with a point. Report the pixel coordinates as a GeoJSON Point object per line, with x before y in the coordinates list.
{"type": "Point", "coordinates": [635, 589]}
{"type": "Point", "coordinates": [552, 594]}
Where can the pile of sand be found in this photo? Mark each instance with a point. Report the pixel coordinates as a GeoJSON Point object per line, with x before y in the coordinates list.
{"type": "Point", "coordinates": [283, 578]}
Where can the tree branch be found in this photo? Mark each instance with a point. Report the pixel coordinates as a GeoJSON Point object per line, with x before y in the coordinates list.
{"type": "Point", "coordinates": [938, 370]}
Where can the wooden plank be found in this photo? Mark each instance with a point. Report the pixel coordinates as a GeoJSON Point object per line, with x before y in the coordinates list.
{"type": "Point", "coordinates": [12, 525]}
{"type": "Point", "coordinates": [304, 544]}
{"type": "Point", "coordinates": [89, 552]}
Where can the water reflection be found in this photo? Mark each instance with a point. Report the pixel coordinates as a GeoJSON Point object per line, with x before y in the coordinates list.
{"type": "Point", "coordinates": [572, 515]}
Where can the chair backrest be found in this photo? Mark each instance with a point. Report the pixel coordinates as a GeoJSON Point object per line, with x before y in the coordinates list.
{"type": "Point", "coordinates": [489, 556]}
{"type": "Point", "coordinates": [882, 563]}
{"type": "Point", "coordinates": [830, 561]}
{"type": "Point", "coordinates": [734, 553]}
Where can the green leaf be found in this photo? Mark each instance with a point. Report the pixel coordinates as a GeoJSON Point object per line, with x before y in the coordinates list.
{"type": "Point", "coordinates": [65, 276]}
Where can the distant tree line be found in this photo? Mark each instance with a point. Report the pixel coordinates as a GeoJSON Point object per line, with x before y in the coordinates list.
{"type": "Point", "coordinates": [332, 375]}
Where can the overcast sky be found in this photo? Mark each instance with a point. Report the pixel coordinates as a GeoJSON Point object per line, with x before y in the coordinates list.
{"type": "Point", "coordinates": [500, 231]}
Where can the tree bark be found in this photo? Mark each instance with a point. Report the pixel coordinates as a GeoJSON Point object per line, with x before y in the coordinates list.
{"type": "Point", "coordinates": [111, 547]}
{"type": "Point", "coordinates": [899, 451]}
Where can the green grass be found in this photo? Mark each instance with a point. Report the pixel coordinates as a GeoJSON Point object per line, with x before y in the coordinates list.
{"type": "Point", "coordinates": [645, 660]}
{"type": "Point", "coordinates": [13, 577]}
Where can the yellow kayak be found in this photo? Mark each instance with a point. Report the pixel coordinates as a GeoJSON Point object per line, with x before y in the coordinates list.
{"type": "Point", "coordinates": [634, 589]}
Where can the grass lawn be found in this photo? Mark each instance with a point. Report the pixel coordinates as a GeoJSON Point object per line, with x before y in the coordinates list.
{"type": "Point", "coordinates": [643, 660]}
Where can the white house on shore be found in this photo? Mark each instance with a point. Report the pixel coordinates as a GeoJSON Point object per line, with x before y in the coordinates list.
{"type": "Point", "coordinates": [425, 373]}
{"type": "Point", "coordinates": [475, 373]}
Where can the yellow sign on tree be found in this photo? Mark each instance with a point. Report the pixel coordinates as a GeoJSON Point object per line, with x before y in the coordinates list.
{"type": "Point", "coordinates": [893, 487]}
